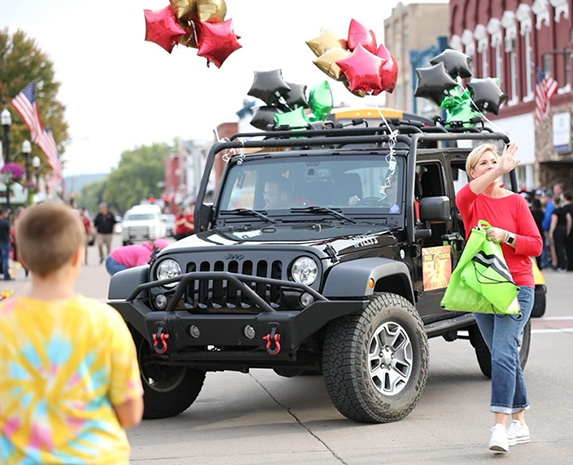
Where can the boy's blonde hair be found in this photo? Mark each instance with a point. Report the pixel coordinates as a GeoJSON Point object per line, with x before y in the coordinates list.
{"type": "Point", "coordinates": [476, 154]}
{"type": "Point", "coordinates": [48, 235]}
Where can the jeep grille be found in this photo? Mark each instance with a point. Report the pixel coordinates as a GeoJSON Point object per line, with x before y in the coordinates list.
{"type": "Point", "coordinates": [221, 294]}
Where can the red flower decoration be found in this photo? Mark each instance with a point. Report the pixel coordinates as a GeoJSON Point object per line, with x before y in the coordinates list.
{"type": "Point", "coordinates": [216, 41]}
{"type": "Point", "coordinates": [162, 28]}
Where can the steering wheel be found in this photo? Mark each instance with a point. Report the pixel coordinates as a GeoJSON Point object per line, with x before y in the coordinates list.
{"type": "Point", "coordinates": [373, 201]}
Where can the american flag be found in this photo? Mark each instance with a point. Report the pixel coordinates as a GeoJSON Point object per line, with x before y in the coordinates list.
{"type": "Point", "coordinates": [545, 88]}
{"type": "Point", "coordinates": [48, 146]}
{"type": "Point", "coordinates": [25, 105]}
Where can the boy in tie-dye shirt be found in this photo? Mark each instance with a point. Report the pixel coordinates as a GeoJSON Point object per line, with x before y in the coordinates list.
{"type": "Point", "coordinates": [69, 380]}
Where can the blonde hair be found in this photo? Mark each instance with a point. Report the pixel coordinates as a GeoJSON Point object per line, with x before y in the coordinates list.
{"type": "Point", "coordinates": [48, 235]}
{"type": "Point", "coordinates": [476, 154]}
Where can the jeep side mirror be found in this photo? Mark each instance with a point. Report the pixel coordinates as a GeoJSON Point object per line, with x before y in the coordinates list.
{"type": "Point", "coordinates": [435, 209]}
{"type": "Point", "coordinates": [202, 217]}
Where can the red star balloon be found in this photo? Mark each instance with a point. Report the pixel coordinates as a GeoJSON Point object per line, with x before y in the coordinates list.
{"type": "Point", "coordinates": [359, 35]}
{"type": "Point", "coordinates": [389, 69]}
{"type": "Point", "coordinates": [162, 28]}
{"type": "Point", "coordinates": [216, 41]}
{"type": "Point", "coordinates": [363, 70]}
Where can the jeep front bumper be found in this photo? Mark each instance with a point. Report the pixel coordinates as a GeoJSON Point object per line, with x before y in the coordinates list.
{"type": "Point", "coordinates": [187, 337]}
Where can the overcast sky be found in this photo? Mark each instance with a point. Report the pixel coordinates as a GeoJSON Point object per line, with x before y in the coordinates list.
{"type": "Point", "coordinates": [121, 91]}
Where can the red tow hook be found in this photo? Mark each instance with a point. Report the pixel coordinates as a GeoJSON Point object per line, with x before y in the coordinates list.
{"type": "Point", "coordinates": [273, 337]}
{"type": "Point", "coordinates": [160, 341]}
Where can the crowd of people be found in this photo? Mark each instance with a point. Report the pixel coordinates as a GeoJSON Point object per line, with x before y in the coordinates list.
{"type": "Point", "coordinates": [98, 231]}
{"type": "Point", "coordinates": [552, 211]}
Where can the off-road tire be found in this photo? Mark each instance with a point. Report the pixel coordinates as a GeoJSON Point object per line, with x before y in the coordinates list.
{"type": "Point", "coordinates": [347, 369]}
{"type": "Point", "coordinates": [173, 389]}
{"type": "Point", "coordinates": [540, 302]}
{"type": "Point", "coordinates": [483, 354]}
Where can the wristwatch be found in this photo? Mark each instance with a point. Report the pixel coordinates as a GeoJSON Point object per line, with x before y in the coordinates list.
{"type": "Point", "coordinates": [510, 239]}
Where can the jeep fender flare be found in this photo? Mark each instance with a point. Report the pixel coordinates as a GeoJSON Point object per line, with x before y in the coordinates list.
{"type": "Point", "coordinates": [124, 282]}
{"type": "Point", "coordinates": [351, 278]}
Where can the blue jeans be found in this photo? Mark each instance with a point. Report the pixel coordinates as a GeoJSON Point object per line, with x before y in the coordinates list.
{"type": "Point", "coordinates": [5, 251]}
{"type": "Point", "coordinates": [501, 333]}
{"type": "Point", "coordinates": [112, 266]}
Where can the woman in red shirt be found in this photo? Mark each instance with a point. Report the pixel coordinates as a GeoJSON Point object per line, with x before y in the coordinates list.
{"type": "Point", "coordinates": [184, 225]}
{"type": "Point", "coordinates": [514, 228]}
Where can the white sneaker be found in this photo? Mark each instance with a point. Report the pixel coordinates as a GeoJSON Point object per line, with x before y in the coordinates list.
{"type": "Point", "coordinates": [517, 433]}
{"type": "Point", "coordinates": [498, 439]}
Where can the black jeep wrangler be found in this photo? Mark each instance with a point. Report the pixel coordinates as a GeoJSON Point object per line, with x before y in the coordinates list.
{"type": "Point", "coordinates": [343, 275]}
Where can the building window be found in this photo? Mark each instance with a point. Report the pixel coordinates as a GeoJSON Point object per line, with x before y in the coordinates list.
{"type": "Point", "coordinates": [509, 24]}
{"type": "Point", "coordinates": [561, 6]}
{"type": "Point", "coordinates": [541, 10]}
{"type": "Point", "coordinates": [468, 41]}
{"type": "Point", "coordinates": [547, 64]}
{"type": "Point", "coordinates": [513, 71]}
{"type": "Point", "coordinates": [480, 34]}
{"type": "Point", "coordinates": [494, 30]}
{"type": "Point", "coordinates": [528, 67]}
{"type": "Point", "coordinates": [523, 15]}
{"type": "Point", "coordinates": [456, 43]}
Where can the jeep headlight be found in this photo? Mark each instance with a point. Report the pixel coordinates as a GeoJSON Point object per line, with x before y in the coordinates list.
{"type": "Point", "coordinates": [304, 270]}
{"type": "Point", "coordinates": [168, 268]}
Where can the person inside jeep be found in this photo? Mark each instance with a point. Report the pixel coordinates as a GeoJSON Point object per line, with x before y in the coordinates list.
{"type": "Point", "coordinates": [278, 193]}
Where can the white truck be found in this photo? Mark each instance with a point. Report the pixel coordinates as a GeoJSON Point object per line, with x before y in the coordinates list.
{"type": "Point", "coordinates": [142, 223]}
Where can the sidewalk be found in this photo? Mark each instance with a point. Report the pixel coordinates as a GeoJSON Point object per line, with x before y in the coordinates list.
{"type": "Point", "coordinates": [20, 283]}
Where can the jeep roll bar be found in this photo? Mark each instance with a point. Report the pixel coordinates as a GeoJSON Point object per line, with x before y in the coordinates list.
{"type": "Point", "coordinates": [409, 135]}
{"type": "Point", "coordinates": [411, 161]}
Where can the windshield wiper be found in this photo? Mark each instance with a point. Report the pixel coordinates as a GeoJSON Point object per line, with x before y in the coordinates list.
{"type": "Point", "coordinates": [248, 212]}
{"type": "Point", "coordinates": [318, 209]}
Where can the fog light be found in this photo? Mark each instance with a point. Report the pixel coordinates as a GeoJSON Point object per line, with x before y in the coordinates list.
{"type": "Point", "coordinates": [194, 331]}
{"type": "Point", "coordinates": [306, 299]}
{"type": "Point", "coordinates": [160, 301]}
{"type": "Point", "coordinates": [249, 332]}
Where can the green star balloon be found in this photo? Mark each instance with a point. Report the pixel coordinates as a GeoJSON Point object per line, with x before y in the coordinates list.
{"type": "Point", "coordinates": [293, 119]}
{"type": "Point", "coordinates": [320, 100]}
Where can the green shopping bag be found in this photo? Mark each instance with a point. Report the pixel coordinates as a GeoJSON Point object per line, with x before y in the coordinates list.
{"type": "Point", "coordinates": [481, 281]}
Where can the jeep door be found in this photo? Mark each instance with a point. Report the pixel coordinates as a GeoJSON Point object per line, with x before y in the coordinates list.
{"type": "Point", "coordinates": [440, 252]}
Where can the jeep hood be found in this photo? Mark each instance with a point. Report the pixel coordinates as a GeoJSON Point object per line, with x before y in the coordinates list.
{"type": "Point", "coordinates": [340, 238]}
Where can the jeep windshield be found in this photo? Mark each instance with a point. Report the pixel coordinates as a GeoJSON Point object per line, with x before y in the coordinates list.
{"type": "Point", "coordinates": [315, 185]}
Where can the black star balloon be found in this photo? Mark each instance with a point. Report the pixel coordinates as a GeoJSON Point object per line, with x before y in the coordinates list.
{"type": "Point", "coordinates": [264, 116]}
{"type": "Point", "coordinates": [486, 94]}
{"type": "Point", "coordinates": [433, 83]}
{"type": "Point", "coordinates": [456, 63]}
{"type": "Point", "coordinates": [269, 86]}
{"type": "Point", "coordinates": [296, 96]}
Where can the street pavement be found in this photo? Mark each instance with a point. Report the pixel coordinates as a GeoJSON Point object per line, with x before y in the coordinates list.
{"type": "Point", "coordinates": [262, 418]}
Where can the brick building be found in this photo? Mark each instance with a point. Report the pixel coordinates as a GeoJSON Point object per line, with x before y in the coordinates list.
{"type": "Point", "coordinates": [411, 27]}
{"type": "Point", "coordinates": [509, 39]}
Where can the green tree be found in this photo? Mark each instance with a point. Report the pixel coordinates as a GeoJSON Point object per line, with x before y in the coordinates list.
{"type": "Point", "coordinates": [90, 196]}
{"type": "Point", "coordinates": [21, 61]}
{"type": "Point", "coordinates": [136, 176]}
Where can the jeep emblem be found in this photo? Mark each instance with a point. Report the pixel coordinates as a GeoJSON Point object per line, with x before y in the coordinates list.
{"type": "Point", "coordinates": [234, 256]}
